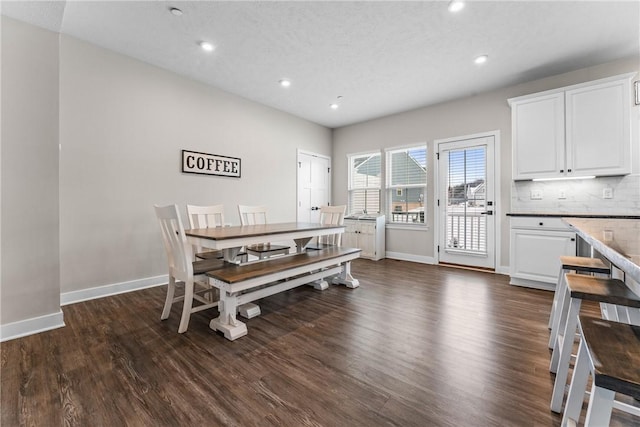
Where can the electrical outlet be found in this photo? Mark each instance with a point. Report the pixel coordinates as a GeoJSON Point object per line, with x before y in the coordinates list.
{"type": "Point", "coordinates": [607, 193]}
{"type": "Point", "coordinates": [562, 194]}
{"type": "Point", "coordinates": [536, 195]}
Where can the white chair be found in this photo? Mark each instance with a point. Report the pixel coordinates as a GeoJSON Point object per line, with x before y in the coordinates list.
{"type": "Point", "coordinates": [254, 215]}
{"type": "Point", "coordinates": [206, 217]}
{"type": "Point", "coordinates": [182, 269]}
{"type": "Point", "coordinates": [329, 215]}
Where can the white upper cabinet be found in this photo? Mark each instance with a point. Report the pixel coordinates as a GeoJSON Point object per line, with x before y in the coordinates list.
{"type": "Point", "coordinates": [573, 131]}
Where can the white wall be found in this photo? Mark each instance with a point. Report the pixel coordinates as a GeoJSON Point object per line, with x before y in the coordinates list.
{"type": "Point", "coordinates": [30, 280]}
{"type": "Point", "coordinates": [481, 113]}
{"type": "Point", "coordinates": [122, 126]}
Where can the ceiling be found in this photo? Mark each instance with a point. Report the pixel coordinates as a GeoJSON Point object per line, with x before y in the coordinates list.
{"type": "Point", "coordinates": [381, 57]}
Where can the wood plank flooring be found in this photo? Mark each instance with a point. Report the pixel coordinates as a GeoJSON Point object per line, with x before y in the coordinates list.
{"type": "Point", "coordinates": [414, 345]}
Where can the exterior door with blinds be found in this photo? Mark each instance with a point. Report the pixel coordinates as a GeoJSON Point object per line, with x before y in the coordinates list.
{"type": "Point", "coordinates": [466, 202]}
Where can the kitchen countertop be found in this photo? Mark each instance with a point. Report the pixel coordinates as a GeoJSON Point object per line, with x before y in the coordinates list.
{"type": "Point", "coordinates": [573, 215]}
{"type": "Point", "coordinates": [618, 240]}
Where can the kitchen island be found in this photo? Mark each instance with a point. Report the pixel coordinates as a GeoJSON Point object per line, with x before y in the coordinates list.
{"type": "Point", "coordinates": [618, 240]}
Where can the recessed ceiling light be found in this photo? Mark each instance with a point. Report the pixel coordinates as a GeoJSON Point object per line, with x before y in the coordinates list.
{"type": "Point", "coordinates": [175, 11]}
{"type": "Point", "coordinates": [285, 82]}
{"type": "Point", "coordinates": [334, 106]}
{"type": "Point", "coordinates": [481, 59]}
{"type": "Point", "coordinates": [456, 6]}
{"type": "Point", "coordinates": [206, 46]}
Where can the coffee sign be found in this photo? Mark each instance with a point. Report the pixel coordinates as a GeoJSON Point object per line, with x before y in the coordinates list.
{"type": "Point", "coordinates": [210, 164]}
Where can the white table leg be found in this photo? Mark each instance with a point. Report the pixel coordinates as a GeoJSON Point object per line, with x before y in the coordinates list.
{"type": "Point", "coordinates": [227, 323]}
{"type": "Point", "coordinates": [230, 254]}
{"type": "Point", "coordinates": [345, 278]}
{"type": "Point", "coordinates": [302, 243]}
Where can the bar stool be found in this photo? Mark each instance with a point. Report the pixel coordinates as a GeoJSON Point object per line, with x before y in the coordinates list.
{"type": "Point", "coordinates": [579, 265]}
{"type": "Point", "coordinates": [610, 353]}
{"type": "Point", "coordinates": [578, 288]}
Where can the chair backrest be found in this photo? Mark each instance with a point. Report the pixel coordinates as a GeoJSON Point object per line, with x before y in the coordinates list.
{"type": "Point", "coordinates": [175, 242]}
{"type": "Point", "coordinates": [251, 215]}
{"type": "Point", "coordinates": [332, 215]}
{"type": "Point", "coordinates": [205, 216]}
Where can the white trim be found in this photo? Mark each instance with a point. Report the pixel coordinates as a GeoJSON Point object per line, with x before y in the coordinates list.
{"type": "Point", "coordinates": [410, 257]}
{"type": "Point", "coordinates": [406, 226]}
{"type": "Point", "coordinates": [112, 289]}
{"type": "Point", "coordinates": [34, 325]}
{"type": "Point", "coordinates": [503, 269]}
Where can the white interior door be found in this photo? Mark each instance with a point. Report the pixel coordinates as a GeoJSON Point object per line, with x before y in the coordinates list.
{"type": "Point", "coordinates": [466, 203]}
{"type": "Point", "coordinates": [314, 185]}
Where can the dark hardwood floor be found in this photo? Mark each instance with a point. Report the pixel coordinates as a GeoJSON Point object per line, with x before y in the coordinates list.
{"type": "Point", "coordinates": [414, 345]}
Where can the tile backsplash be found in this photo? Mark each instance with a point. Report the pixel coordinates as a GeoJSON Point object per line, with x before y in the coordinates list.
{"type": "Point", "coordinates": [578, 196]}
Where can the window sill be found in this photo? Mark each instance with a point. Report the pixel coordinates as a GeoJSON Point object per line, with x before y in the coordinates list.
{"type": "Point", "coordinates": [414, 227]}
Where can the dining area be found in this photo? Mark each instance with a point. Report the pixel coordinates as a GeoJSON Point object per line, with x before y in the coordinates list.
{"type": "Point", "coordinates": [229, 267]}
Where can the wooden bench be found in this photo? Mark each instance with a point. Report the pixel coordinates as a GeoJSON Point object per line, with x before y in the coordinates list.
{"type": "Point", "coordinates": [241, 284]}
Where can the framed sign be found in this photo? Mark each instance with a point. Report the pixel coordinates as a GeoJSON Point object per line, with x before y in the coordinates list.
{"type": "Point", "coordinates": [210, 164]}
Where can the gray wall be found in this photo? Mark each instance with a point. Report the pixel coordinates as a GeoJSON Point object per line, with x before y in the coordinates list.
{"type": "Point", "coordinates": [481, 113]}
{"type": "Point", "coordinates": [122, 124]}
{"type": "Point", "coordinates": [30, 278]}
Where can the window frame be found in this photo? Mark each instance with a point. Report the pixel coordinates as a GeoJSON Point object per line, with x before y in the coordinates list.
{"type": "Point", "coordinates": [352, 189]}
{"type": "Point", "coordinates": [391, 189]}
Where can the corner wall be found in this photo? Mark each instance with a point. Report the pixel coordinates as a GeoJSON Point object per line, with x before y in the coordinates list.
{"type": "Point", "coordinates": [30, 276]}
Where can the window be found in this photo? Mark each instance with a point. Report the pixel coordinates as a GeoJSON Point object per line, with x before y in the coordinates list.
{"type": "Point", "coordinates": [406, 184]}
{"type": "Point", "coordinates": [364, 183]}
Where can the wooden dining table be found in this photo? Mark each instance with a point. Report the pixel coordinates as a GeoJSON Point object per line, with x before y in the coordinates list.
{"type": "Point", "coordinates": [231, 239]}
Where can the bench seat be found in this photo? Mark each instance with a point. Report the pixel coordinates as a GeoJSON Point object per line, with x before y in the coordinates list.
{"type": "Point", "coordinates": [242, 284]}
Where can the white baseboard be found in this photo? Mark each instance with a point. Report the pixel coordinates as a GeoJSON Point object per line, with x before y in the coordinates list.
{"type": "Point", "coordinates": [31, 326]}
{"type": "Point", "coordinates": [503, 269]}
{"type": "Point", "coordinates": [113, 289]}
{"type": "Point", "coordinates": [410, 257]}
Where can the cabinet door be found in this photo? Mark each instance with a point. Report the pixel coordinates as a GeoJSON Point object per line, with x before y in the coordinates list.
{"type": "Point", "coordinates": [350, 236]}
{"type": "Point", "coordinates": [598, 129]}
{"type": "Point", "coordinates": [538, 137]}
{"type": "Point", "coordinates": [367, 239]}
{"type": "Point", "coordinates": [535, 254]}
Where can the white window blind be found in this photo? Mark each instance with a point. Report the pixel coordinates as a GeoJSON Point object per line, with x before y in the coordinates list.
{"type": "Point", "coordinates": [406, 184]}
{"type": "Point", "coordinates": [364, 183]}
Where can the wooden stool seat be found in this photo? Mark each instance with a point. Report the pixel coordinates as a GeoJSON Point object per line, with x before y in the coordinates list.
{"type": "Point", "coordinates": [584, 264]}
{"type": "Point", "coordinates": [568, 264]}
{"type": "Point", "coordinates": [610, 352]}
{"type": "Point", "coordinates": [581, 287]}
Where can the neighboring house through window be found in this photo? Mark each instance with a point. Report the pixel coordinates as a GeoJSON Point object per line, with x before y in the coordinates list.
{"type": "Point", "coordinates": [406, 184]}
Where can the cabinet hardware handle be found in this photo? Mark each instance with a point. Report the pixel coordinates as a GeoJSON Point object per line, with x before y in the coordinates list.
{"type": "Point", "coordinates": [573, 240]}
{"type": "Point", "coordinates": [561, 170]}
{"type": "Point", "coordinates": [541, 223]}
{"type": "Point", "coordinates": [568, 170]}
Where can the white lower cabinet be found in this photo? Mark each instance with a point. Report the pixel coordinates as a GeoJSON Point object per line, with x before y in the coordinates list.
{"type": "Point", "coordinates": [537, 243]}
{"type": "Point", "coordinates": [366, 233]}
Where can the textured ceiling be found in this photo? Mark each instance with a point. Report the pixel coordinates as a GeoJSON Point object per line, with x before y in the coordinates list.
{"type": "Point", "coordinates": [381, 57]}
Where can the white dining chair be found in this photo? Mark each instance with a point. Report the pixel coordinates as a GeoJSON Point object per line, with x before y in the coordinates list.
{"type": "Point", "coordinates": [206, 217]}
{"type": "Point", "coordinates": [183, 270]}
{"type": "Point", "coordinates": [254, 215]}
{"type": "Point", "coordinates": [329, 215]}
